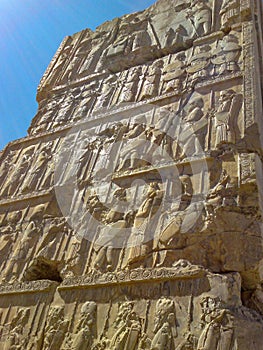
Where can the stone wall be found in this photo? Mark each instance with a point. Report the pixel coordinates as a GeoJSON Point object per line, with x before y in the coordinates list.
{"type": "Point", "coordinates": [131, 214]}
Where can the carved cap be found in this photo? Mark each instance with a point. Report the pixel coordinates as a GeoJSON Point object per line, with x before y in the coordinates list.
{"type": "Point", "coordinates": [88, 307]}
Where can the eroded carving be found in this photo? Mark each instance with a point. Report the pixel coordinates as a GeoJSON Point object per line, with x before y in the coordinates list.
{"type": "Point", "coordinates": [143, 135]}
{"type": "Point", "coordinates": [56, 328]}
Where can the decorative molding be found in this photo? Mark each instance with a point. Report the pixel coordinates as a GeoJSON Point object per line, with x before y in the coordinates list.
{"type": "Point", "coordinates": [250, 74]}
{"type": "Point", "coordinates": [134, 276]}
{"type": "Point", "coordinates": [27, 197]}
{"type": "Point", "coordinates": [27, 287]}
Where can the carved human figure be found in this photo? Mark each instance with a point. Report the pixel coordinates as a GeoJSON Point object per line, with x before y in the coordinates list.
{"type": "Point", "coordinates": [229, 13]}
{"type": "Point", "coordinates": [106, 93]}
{"type": "Point", "coordinates": [201, 17]}
{"type": "Point", "coordinates": [123, 43]}
{"type": "Point", "coordinates": [113, 132]}
{"type": "Point", "coordinates": [7, 240]}
{"type": "Point", "coordinates": [89, 158]}
{"type": "Point", "coordinates": [48, 177]}
{"type": "Point", "coordinates": [91, 63]}
{"type": "Point", "coordinates": [19, 170]}
{"type": "Point", "coordinates": [226, 56]}
{"type": "Point", "coordinates": [181, 219]}
{"type": "Point", "coordinates": [134, 146]}
{"type": "Point", "coordinates": [53, 233]}
{"type": "Point", "coordinates": [199, 66]}
{"type": "Point", "coordinates": [23, 251]}
{"type": "Point", "coordinates": [37, 169]}
{"type": "Point", "coordinates": [108, 234]}
{"type": "Point", "coordinates": [94, 206]}
{"type": "Point", "coordinates": [141, 39]}
{"type": "Point", "coordinates": [194, 126]}
{"type": "Point", "coordinates": [63, 113]}
{"type": "Point", "coordinates": [229, 105]}
{"type": "Point", "coordinates": [153, 77]}
{"type": "Point", "coordinates": [63, 159]}
{"type": "Point", "coordinates": [187, 191]}
{"type": "Point", "coordinates": [85, 105]}
{"type": "Point", "coordinates": [175, 74]}
{"type": "Point", "coordinates": [11, 223]}
{"type": "Point", "coordinates": [56, 328]}
{"type": "Point", "coordinates": [57, 69]}
{"type": "Point", "coordinates": [165, 331]}
{"type": "Point", "coordinates": [133, 38]}
{"type": "Point", "coordinates": [128, 329]}
{"type": "Point", "coordinates": [72, 68]}
{"type": "Point", "coordinates": [46, 113]}
{"type": "Point", "coordinates": [218, 330]}
{"type": "Point", "coordinates": [46, 117]}
{"type": "Point", "coordinates": [17, 327]}
{"type": "Point", "coordinates": [74, 262]}
{"type": "Point", "coordinates": [130, 88]}
{"type": "Point", "coordinates": [161, 136]}
{"type": "Point", "coordinates": [176, 39]}
{"type": "Point", "coordinates": [216, 195]}
{"type": "Point", "coordinates": [149, 205]}
{"type": "Point", "coordinates": [85, 332]}
{"type": "Point", "coordinates": [5, 165]}
{"type": "Point", "coordinates": [148, 208]}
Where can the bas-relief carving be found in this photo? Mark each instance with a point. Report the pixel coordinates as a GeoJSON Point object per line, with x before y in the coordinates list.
{"type": "Point", "coordinates": [16, 337]}
{"type": "Point", "coordinates": [114, 220]}
{"type": "Point", "coordinates": [135, 41]}
{"type": "Point", "coordinates": [229, 12]}
{"type": "Point", "coordinates": [23, 251]}
{"type": "Point", "coordinates": [67, 107]}
{"type": "Point", "coordinates": [218, 327]}
{"type": "Point", "coordinates": [193, 111]}
{"type": "Point", "coordinates": [106, 94]}
{"type": "Point", "coordinates": [226, 115]}
{"type": "Point", "coordinates": [86, 329]}
{"type": "Point", "coordinates": [94, 60]}
{"type": "Point", "coordinates": [227, 54]}
{"type": "Point", "coordinates": [39, 165]}
{"type": "Point", "coordinates": [80, 55]}
{"type": "Point", "coordinates": [59, 65]}
{"type": "Point", "coordinates": [164, 325]}
{"type": "Point", "coordinates": [174, 74]}
{"type": "Point", "coordinates": [51, 240]}
{"type": "Point", "coordinates": [46, 112]}
{"type": "Point", "coordinates": [223, 194]}
{"type": "Point", "coordinates": [128, 327]}
{"type": "Point", "coordinates": [171, 323]}
{"type": "Point", "coordinates": [17, 172]}
{"type": "Point", "coordinates": [187, 57]}
{"type": "Point", "coordinates": [200, 15]}
{"type": "Point", "coordinates": [6, 162]}
{"type": "Point", "coordinates": [138, 39]}
{"type": "Point", "coordinates": [104, 257]}
{"type": "Point", "coordinates": [129, 87]}
{"type": "Point", "coordinates": [33, 169]}
{"type": "Point", "coordinates": [22, 326]}
{"type": "Point", "coordinates": [56, 328]}
{"type": "Point", "coordinates": [202, 64]}
{"type": "Point", "coordinates": [152, 80]}
{"type": "Point", "coordinates": [140, 83]}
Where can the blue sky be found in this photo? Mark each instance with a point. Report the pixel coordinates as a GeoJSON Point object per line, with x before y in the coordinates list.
{"type": "Point", "coordinates": [30, 32]}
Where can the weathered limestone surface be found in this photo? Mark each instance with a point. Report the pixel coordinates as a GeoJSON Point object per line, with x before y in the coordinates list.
{"type": "Point", "coordinates": [131, 214]}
